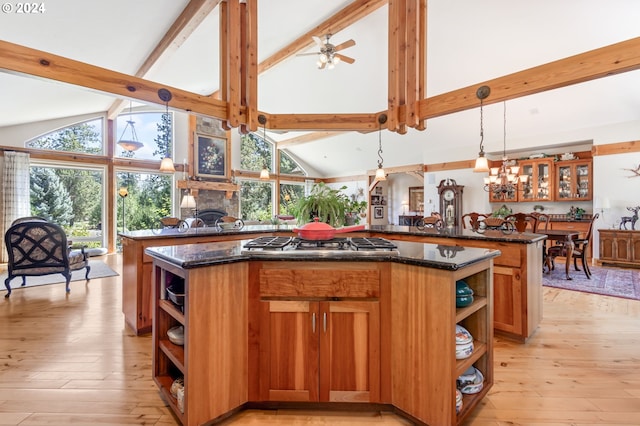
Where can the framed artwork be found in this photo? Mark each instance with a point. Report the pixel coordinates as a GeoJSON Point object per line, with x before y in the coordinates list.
{"type": "Point", "coordinates": [416, 198]}
{"type": "Point", "coordinates": [211, 156]}
{"type": "Point", "coordinates": [378, 212]}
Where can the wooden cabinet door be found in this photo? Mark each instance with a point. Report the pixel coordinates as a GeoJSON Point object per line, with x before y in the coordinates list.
{"type": "Point", "coordinates": [573, 180]}
{"type": "Point", "coordinates": [634, 245]}
{"type": "Point", "coordinates": [350, 351]}
{"type": "Point", "coordinates": [507, 314]}
{"type": "Point", "coordinates": [607, 245]}
{"type": "Point", "coordinates": [540, 183]}
{"type": "Point", "coordinates": [289, 343]}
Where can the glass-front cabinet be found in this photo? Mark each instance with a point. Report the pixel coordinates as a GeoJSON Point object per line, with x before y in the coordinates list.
{"type": "Point", "coordinates": [538, 187]}
{"type": "Point", "coordinates": [573, 180]}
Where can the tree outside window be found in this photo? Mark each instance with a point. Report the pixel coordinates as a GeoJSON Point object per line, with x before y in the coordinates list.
{"type": "Point", "coordinates": [85, 137]}
{"type": "Point", "coordinates": [289, 194]}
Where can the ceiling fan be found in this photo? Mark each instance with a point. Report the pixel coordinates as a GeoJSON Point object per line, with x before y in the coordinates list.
{"type": "Point", "coordinates": [328, 55]}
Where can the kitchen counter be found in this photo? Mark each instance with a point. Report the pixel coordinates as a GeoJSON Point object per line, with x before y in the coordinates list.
{"type": "Point", "coordinates": [430, 255]}
{"type": "Point", "coordinates": [319, 332]}
{"type": "Point", "coordinates": [518, 272]}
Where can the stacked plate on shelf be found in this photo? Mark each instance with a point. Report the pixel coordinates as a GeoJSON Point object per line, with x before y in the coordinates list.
{"type": "Point", "coordinates": [471, 381]}
{"type": "Point", "coordinates": [464, 342]}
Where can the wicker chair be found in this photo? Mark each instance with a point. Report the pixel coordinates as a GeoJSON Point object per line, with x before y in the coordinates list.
{"type": "Point", "coordinates": [37, 247]}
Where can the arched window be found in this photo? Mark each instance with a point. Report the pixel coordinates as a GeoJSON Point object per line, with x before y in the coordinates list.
{"type": "Point", "coordinates": [152, 130]}
{"type": "Point", "coordinates": [85, 137]}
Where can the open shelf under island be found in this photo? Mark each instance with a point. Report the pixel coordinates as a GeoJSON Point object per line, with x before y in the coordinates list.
{"type": "Point", "coordinates": [369, 332]}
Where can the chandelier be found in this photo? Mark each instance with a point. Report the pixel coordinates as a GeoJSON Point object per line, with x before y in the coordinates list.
{"type": "Point", "coordinates": [503, 181]}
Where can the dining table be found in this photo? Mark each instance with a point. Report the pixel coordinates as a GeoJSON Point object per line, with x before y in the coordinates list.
{"type": "Point", "coordinates": [565, 237]}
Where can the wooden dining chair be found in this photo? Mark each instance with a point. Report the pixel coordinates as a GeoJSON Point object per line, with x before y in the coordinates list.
{"type": "Point", "coordinates": [523, 222]}
{"type": "Point", "coordinates": [472, 220]}
{"type": "Point", "coordinates": [581, 248]}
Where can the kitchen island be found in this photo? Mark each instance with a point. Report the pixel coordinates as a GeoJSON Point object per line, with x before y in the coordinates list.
{"type": "Point", "coordinates": [347, 332]}
{"type": "Point", "coordinates": [517, 271]}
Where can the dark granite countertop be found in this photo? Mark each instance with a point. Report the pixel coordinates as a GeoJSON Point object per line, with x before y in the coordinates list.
{"type": "Point", "coordinates": [465, 234]}
{"type": "Point", "coordinates": [427, 255]}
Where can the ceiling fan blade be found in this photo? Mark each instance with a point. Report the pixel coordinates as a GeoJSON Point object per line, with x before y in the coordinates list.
{"type": "Point", "coordinates": [345, 44]}
{"type": "Point", "coordinates": [345, 58]}
{"type": "Point", "coordinates": [318, 41]}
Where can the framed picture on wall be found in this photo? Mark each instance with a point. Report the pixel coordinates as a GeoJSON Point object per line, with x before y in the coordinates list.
{"type": "Point", "coordinates": [211, 156]}
{"type": "Point", "coordinates": [378, 212]}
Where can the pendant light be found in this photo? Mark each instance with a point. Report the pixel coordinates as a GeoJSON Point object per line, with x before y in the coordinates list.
{"type": "Point", "coordinates": [132, 144]}
{"type": "Point", "coordinates": [482, 165]}
{"type": "Point", "coordinates": [264, 173]}
{"type": "Point", "coordinates": [380, 173]}
{"type": "Point", "coordinates": [167, 163]}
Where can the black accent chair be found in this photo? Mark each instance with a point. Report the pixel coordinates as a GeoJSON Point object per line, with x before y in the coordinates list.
{"type": "Point", "coordinates": [37, 247]}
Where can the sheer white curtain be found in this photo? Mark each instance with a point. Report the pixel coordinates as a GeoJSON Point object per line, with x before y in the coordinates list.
{"type": "Point", "coordinates": [15, 196]}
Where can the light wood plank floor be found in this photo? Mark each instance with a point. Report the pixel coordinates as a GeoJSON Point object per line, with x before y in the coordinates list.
{"type": "Point", "coordinates": [69, 359]}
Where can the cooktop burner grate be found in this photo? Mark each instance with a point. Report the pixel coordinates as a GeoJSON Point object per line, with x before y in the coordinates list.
{"type": "Point", "coordinates": [332, 244]}
{"type": "Point", "coordinates": [373, 243]}
{"type": "Point", "coordinates": [268, 243]}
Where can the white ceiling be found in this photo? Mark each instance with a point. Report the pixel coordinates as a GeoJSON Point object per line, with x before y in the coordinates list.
{"type": "Point", "coordinates": [468, 42]}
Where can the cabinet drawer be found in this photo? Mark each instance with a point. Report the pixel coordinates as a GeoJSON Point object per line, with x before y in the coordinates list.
{"type": "Point", "coordinates": [571, 226]}
{"type": "Point", "coordinates": [319, 283]}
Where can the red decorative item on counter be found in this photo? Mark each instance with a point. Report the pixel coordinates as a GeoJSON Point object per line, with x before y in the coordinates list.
{"type": "Point", "coordinates": [317, 230]}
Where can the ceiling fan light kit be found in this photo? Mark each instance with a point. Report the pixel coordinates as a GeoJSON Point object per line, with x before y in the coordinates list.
{"type": "Point", "coordinates": [328, 56]}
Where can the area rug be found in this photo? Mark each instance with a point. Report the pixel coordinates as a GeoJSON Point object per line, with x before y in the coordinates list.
{"type": "Point", "coordinates": [606, 281]}
{"type": "Point", "coordinates": [99, 269]}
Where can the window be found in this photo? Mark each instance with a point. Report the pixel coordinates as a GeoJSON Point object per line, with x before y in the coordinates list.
{"type": "Point", "coordinates": [151, 129]}
{"type": "Point", "coordinates": [72, 198]}
{"type": "Point", "coordinates": [289, 194]}
{"type": "Point", "coordinates": [85, 137]}
{"type": "Point", "coordinates": [290, 166]}
{"type": "Point", "coordinates": [255, 153]}
{"type": "Point", "coordinates": [148, 199]}
{"type": "Point", "coordinates": [256, 200]}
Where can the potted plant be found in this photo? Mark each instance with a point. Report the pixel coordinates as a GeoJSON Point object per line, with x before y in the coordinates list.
{"type": "Point", "coordinates": [328, 204]}
{"type": "Point", "coordinates": [354, 211]}
{"type": "Point", "coordinates": [502, 212]}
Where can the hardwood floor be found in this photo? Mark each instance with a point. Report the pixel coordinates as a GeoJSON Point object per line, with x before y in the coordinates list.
{"type": "Point", "coordinates": [69, 359]}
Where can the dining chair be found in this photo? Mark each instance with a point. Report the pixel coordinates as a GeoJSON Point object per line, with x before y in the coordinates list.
{"type": "Point", "coordinates": [523, 221]}
{"type": "Point", "coordinates": [581, 248]}
{"type": "Point", "coordinates": [473, 220]}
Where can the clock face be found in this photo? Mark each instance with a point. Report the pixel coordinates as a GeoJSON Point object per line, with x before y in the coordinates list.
{"type": "Point", "coordinates": [448, 194]}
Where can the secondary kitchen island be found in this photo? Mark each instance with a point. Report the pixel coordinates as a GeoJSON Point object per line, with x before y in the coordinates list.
{"type": "Point", "coordinates": [343, 331]}
{"type": "Point", "coordinates": [517, 271]}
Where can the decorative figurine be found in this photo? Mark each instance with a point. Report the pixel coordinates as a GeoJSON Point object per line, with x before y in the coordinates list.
{"type": "Point", "coordinates": [633, 219]}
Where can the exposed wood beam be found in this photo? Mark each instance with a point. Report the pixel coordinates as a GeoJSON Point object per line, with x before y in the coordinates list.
{"type": "Point", "coordinates": [335, 122]}
{"type": "Point", "coordinates": [191, 17]}
{"type": "Point", "coordinates": [37, 63]}
{"type": "Point", "coordinates": [605, 61]}
{"type": "Point", "coordinates": [309, 137]}
{"type": "Point", "coordinates": [454, 165]}
{"type": "Point", "coordinates": [341, 20]}
{"type": "Point", "coordinates": [616, 148]}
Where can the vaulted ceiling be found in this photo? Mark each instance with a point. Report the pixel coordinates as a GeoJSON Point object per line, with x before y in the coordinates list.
{"type": "Point", "coordinates": [468, 42]}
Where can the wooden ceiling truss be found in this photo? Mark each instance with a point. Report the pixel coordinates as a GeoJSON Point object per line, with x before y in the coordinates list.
{"type": "Point", "coordinates": [236, 103]}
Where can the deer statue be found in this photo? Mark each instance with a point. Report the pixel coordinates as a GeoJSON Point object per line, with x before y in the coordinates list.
{"type": "Point", "coordinates": [633, 219]}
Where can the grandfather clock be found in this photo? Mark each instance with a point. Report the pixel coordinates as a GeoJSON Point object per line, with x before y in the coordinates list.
{"type": "Point", "coordinates": [450, 202]}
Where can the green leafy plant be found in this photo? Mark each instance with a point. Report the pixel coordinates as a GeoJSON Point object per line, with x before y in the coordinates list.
{"type": "Point", "coordinates": [354, 210]}
{"type": "Point", "coordinates": [502, 212]}
{"type": "Point", "coordinates": [328, 204]}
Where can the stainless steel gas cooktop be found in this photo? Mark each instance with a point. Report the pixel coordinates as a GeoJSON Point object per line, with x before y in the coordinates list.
{"type": "Point", "coordinates": [335, 247]}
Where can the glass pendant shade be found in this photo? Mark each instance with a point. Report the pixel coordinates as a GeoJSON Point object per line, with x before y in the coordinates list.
{"type": "Point", "coordinates": [264, 174]}
{"type": "Point", "coordinates": [380, 174]}
{"type": "Point", "coordinates": [129, 145]}
{"type": "Point", "coordinates": [482, 165]}
{"type": "Point", "coordinates": [167, 165]}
